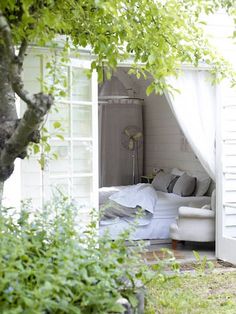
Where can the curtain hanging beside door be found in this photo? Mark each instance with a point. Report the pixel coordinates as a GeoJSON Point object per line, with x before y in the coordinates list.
{"type": "Point", "coordinates": [195, 109]}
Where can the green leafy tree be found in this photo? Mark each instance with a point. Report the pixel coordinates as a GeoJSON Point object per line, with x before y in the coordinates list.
{"type": "Point", "coordinates": [159, 35]}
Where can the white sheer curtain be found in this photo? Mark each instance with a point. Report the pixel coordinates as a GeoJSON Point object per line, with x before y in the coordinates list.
{"type": "Point", "coordinates": [194, 108]}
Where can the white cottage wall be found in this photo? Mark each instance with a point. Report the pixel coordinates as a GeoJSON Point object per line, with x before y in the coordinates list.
{"type": "Point", "coordinates": [165, 144]}
{"type": "Point", "coordinates": [220, 28]}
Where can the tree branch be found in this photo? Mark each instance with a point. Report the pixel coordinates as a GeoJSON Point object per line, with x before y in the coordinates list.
{"type": "Point", "coordinates": [18, 85]}
{"type": "Point", "coordinates": [6, 33]}
{"type": "Point", "coordinates": [24, 132]}
{"type": "Point", "coordinates": [22, 51]}
{"type": "Point", "coordinates": [15, 62]}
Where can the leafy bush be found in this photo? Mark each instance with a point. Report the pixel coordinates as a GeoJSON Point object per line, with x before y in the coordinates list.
{"type": "Point", "coordinates": [48, 265]}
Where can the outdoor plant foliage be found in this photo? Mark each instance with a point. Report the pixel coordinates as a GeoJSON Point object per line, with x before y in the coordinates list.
{"type": "Point", "coordinates": [158, 35]}
{"type": "Point", "coordinates": [48, 266]}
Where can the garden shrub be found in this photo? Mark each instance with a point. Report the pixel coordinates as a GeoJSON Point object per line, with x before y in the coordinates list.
{"type": "Point", "coordinates": [48, 264]}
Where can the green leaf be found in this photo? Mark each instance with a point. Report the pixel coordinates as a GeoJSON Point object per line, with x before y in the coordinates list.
{"type": "Point", "coordinates": [197, 256]}
{"type": "Point", "coordinates": [62, 93]}
{"type": "Point", "coordinates": [44, 138]}
{"type": "Point", "coordinates": [117, 308]}
{"type": "Point", "coordinates": [152, 58]}
{"type": "Point", "coordinates": [150, 89]}
{"type": "Point", "coordinates": [57, 125]}
{"type": "Point", "coordinates": [47, 148]}
{"type": "Point", "coordinates": [61, 137]}
{"type": "Point", "coordinates": [133, 300]}
{"type": "Point", "coordinates": [36, 148]}
{"type": "Point", "coordinates": [42, 162]}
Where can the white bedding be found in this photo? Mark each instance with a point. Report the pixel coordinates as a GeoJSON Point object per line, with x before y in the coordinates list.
{"type": "Point", "coordinates": [142, 195]}
{"type": "Point", "coordinates": [164, 213]}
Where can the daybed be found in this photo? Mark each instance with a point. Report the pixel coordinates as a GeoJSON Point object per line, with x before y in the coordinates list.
{"type": "Point", "coordinates": [162, 209]}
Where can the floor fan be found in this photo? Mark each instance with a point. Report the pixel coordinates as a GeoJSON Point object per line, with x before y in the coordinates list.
{"type": "Point", "coordinates": [132, 139]}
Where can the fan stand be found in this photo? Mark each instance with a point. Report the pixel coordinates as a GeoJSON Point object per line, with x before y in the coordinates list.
{"type": "Point", "coordinates": [134, 159]}
{"type": "Point", "coordinates": [133, 163]}
{"type": "Point", "coordinates": [131, 140]}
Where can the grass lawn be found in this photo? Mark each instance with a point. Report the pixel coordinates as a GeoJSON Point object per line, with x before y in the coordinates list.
{"type": "Point", "coordinates": [193, 293]}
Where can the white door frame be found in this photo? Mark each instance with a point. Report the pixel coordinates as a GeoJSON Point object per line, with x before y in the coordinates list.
{"type": "Point", "coordinates": [225, 245]}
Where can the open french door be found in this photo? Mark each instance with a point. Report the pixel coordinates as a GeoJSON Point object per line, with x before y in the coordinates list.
{"type": "Point", "coordinates": [226, 174]}
{"type": "Point", "coordinates": [75, 170]}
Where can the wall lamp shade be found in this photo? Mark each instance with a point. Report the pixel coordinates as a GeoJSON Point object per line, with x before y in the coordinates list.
{"type": "Point", "coordinates": [112, 88]}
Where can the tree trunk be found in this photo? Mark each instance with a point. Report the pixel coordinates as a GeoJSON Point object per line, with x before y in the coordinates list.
{"type": "Point", "coordinates": [8, 114]}
{"type": "Point", "coordinates": [1, 193]}
{"type": "Point", "coordinates": [7, 95]}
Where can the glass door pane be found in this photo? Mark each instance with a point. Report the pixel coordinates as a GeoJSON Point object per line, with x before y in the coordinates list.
{"type": "Point", "coordinates": [59, 185]}
{"type": "Point", "coordinates": [61, 113]}
{"type": "Point", "coordinates": [82, 121]}
{"type": "Point", "coordinates": [82, 157]}
{"type": "Point", "coordinates": [61, 165]}
{"type": "Point", "coordinates": [81, 191]}
{"type": "Point", "coordinates": [81, 85]}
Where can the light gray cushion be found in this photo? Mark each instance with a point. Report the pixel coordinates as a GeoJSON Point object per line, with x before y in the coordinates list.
{"type": "Point", "coordinates": [162, 181]}
{"type": "Point", "coordinates": [202, 186]}
{"type": "Point", "coordinates": [185, 185]}
{"type": "Point", "coordinates": [172, 184]}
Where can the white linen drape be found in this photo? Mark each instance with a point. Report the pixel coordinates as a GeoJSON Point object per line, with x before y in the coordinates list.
{"type": "Point", "coordinates": [194, 108]}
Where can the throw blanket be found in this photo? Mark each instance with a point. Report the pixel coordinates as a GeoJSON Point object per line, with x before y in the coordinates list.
{"type": "Point", "coordinates": [130, 202]}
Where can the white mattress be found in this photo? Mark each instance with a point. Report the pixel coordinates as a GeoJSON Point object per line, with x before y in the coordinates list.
{"type": "Point", "coordinates": [164, 215]}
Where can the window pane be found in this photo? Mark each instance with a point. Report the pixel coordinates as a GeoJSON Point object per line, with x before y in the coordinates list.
{"type": "Point", "coordinates": [61, 165]}
{"type": "Point", "coordinates": [82, 157]}
{"type": "Point", "coordinates": [59, 186]}
{"type": "Point", "coordinates": [82, 121]}
{"type": "Point", "coordinates": [58, 87]}
{"type": "Point", "coordinates": [82, 191]}
{"type": "Point", "coordinates": [60, 113]}
{"type": "Point", "coordinates": [81, 85]}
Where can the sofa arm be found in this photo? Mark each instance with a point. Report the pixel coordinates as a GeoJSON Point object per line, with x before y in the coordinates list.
{"type": "Point", "coordinates": [193, 212]}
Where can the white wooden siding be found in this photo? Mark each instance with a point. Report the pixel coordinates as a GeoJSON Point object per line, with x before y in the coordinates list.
{"type": "Point", "coordinates": [228, 157]}
{"type": "Point", "coordinates": [221, 28]}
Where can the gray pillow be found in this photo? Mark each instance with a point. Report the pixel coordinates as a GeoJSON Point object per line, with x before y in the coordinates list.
{"type": "Point", "coordinates": [202, 186]}
{"type": "Point", "coordinates": [162, 181]}
{"type": "Point", "coordinates": [185, 185]}
{"type": "Point", "coordinates": [172, 184]}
